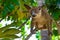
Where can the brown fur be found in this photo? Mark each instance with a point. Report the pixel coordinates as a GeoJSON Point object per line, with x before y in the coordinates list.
{"type": "Point", "coordinates": [42, 20]}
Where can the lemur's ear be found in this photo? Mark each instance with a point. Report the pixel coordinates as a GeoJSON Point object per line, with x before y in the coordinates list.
{"type": "Point", "coordinates": [39, 7]}
{"type": "Point", "coordinates": [27, 7]}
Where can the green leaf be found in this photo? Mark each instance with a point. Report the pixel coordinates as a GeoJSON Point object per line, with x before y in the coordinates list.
{"type": "Point", "coordinates": [4, 13]}
{"type": "Point", "coordinates": [34, 3]}
{"type": "Point", "coordinates": [3, 28]}
{"type": "Point", "coordinates": [56, 15]}
{"type": "Point", "coordinates": [0, 25]}
{"type": "Point", "coordinates": [6, 39]}
{"type": "Point", "coordinates": [23, 28]}
{"type": "Point", "coordinates": [9, 36]}
{"type": "Point", "coordinates": [15, 2]}
{"type": "Point", "coordinates": [54, 25]}
{"type": "Point", "coordinates": [7, 9]}
{"type": "Point", "coordinates": [7, 26]}
{"type": "Point", "coordinates": [37, 34]}
{"type": "Point", "coordinates": [1, 32]}
{"type": "Point", "coordinates": [55, 32]}
{"type": "Point", "coordinates": [11, 31]}
{"type": "Point", "coordinates": [11, 7]}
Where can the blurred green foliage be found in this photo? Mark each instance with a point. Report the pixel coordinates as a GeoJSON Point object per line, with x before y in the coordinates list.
{"type": "Point", "coordinates": [52, 5]}
{"type": "Point", "coordinates": [9, 10]}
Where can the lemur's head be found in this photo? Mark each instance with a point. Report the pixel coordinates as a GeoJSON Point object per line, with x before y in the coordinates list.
{"type": "Point", "coordinates": [35, 11]}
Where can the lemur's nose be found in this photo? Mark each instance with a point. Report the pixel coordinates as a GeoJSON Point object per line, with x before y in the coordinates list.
{"type": "Point", "coordinates": [33, 14]}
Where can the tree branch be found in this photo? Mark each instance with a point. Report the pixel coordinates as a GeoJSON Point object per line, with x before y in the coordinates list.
{"type": "Point", "coordinates": [1, 20]}
{"type": "Point", "coordinates": [44, 35]}
{"type": "Point", "coordinates": [24, 23]}
{"type": "Point", "coordinates": [30, 34]}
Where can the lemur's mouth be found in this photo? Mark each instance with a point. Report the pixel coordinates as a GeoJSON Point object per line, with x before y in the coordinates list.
{"type": "Point", "coordinates": [34, 15]}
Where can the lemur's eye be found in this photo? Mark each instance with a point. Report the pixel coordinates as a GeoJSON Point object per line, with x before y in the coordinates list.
{"type": "Point", "coordinates": [39, 7]}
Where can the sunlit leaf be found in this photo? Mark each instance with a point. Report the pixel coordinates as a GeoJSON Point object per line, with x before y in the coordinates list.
{"type": "Point", "coordinates": [6, 39]}
{"type": "Point", "coordinates": [0, 25]}
{"type": "Point", "coordinates": [9, 36]}
{"type": "Point", "coordinates": [11, 31]}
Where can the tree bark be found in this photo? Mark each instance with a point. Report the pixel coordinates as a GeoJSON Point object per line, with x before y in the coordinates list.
{"type": "Point", "coordinates": [44, 35]}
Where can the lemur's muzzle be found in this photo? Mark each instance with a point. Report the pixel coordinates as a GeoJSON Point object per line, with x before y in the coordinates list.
{"type": "Point", "coordinates": [33, 14]}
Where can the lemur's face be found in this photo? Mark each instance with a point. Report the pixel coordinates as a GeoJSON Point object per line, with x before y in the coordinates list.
{"type": "Point", "coordinates": [35, 11]}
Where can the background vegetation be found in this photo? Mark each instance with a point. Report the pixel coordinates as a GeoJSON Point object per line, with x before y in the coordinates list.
{"type": "Point", "coordinates": [15, 11]}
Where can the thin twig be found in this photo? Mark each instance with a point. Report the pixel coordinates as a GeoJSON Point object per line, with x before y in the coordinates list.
{"type": "Point", "coordinates": [24, 23]}
{"type": "Point", "coordinates": [1, 20]}
{"type": "Point", "coordinates": [30, 34]}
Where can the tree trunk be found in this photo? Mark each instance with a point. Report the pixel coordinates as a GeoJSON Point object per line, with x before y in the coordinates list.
{"type": "Point", "coordinates": [44, 35]}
